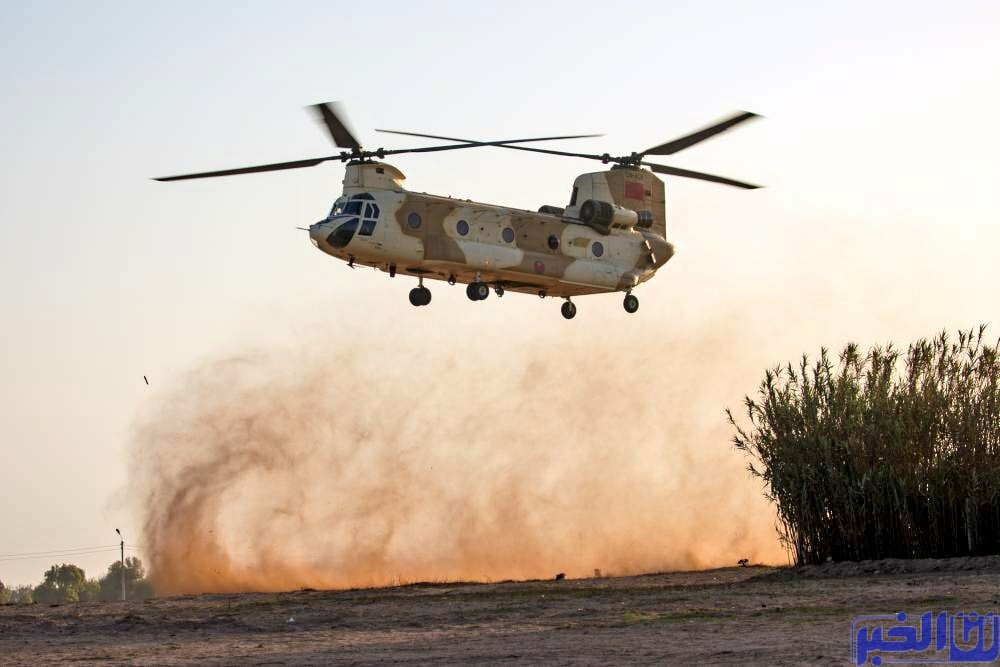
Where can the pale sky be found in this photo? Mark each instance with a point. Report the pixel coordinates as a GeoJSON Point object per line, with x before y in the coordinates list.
{"type": "Point", "coordinates": [880, 150]}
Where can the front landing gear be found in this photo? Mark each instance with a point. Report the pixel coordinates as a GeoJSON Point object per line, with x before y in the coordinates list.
{"type": "Point", "coordinates": [420, 295]}
{"type": "Point", "coordinates": [568, 310]}
{"type": "Point", "coordinates": [631, 303]}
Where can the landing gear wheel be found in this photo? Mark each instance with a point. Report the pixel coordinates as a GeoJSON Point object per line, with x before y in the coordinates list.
{"type": "Point", "coordinates": [569, 310]}
{"type": "Point", "coordinates": [631, 303]}
{"type": "Point", "coordinates": [499, 290]}
{"type": "Point", "coordinates": [420, 296]}
{"type": "Point", "coordinates": [477, 291]}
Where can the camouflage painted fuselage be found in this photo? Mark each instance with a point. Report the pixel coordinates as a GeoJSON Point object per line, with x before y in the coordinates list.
{"type": "Point", "coordinates": [378, 223]}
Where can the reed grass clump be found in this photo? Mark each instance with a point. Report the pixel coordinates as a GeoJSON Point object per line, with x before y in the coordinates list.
{"type": "Point", "coordinates": [882, 454]}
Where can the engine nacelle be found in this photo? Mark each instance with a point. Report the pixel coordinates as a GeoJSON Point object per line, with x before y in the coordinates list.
{"type": "Point", "coordinates": [604, 216]}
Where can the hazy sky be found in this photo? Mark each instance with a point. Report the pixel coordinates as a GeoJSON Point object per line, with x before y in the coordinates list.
{"type": "Point", "coordinates": [880, 150]}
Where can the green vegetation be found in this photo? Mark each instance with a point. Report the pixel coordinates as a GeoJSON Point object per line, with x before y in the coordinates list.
{"type": "Point", "coordinates": [16, 595]}
{"type": "Point", "coordinates": [65, 583]}
{"type": "Point", "coordinates": [137, 587]}
{"type": "Point", "coordinates": [68, 583]}
{"type": "Point", "coordinates": [883, 454]}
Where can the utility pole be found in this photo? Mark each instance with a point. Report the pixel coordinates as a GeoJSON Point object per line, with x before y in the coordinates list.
{"type": "Point", "coordinates": [123, 562]}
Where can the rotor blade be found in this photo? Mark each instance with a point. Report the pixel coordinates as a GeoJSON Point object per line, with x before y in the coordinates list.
{"type": "Point", "coordinates": [687, 173]}
{"type": "Point", "coordinates": [315, 161]}
{"type": "Point", "coordinates": [549, 151]}
{"type": "Point", "coordinates": [277, 166]}
{"type": "Point", "coordinates": [689, 140]}
{"type": "Point", "coordinates": [331, 114]}
{"type": "Point", "coordinates": [506, 141]}
{"type": "Point", "coordinates": [447, 147]}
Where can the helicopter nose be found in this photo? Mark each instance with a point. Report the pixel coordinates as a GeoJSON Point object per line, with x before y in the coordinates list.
{"type": "Point", "coordinates": [317, 232]}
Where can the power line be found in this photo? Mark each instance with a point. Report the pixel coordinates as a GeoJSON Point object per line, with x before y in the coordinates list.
{"type": "Point", "coordinates": [51, 551]}
{"type": "Point", "coordinates": [59, 553]}
{"type": "Point", "coordinates": [81, 551]}
{"type": "Point", "coordinates": [58, 556]}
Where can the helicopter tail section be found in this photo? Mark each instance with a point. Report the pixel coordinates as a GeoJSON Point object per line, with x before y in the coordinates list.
{"type": "Point", "coordinates": [626, 188]}
{"type": "Point", "coordinates": [641, 191]}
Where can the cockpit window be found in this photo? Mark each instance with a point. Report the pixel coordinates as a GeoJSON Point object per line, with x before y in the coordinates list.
{"type": "Point", "coordinates": [355, 206]}
{"type": "Point", "coordinates": [371, 219]}
{"type": "Point", "coordinates": [343, 234]}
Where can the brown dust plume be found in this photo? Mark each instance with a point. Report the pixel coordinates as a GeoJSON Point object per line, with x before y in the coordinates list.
{"type": "Point", "coordinates": [338, 463]}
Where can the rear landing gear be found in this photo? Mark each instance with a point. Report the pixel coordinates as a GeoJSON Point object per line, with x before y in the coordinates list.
{"type": "Point", "coordinates": [477, 291]}
{"type": "Point", "coordinates": [631, 303]}
{"type": "Point", "coordinates": [569, 310]}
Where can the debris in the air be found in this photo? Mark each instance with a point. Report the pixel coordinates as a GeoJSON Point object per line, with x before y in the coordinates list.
{"type": "Point", "coordinates": [144, 378]}
{"type": "Point", "coordinates": [597, 572]}
{"type": "Point", "coordinates": [560, 576]}
{"type": "Point", "coordinates": [743, 562]}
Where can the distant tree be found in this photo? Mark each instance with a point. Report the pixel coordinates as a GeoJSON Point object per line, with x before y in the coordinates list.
{"type": "Point", "coordinates": [47, 593]}
{"type": "Point", "coordinates": [19, 595]}
{"type": "Point", "coordinates": [4, 594]}
{"type": "Point", "coordinates": [62, 583]}
{"type": "Point", "coordinates": [90, 591]}
{"type": "Point", "coordinates": [137, 587]}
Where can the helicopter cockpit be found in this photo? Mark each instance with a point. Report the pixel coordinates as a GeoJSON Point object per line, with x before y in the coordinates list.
{"type": "Point", "coordinates": [356, 214]}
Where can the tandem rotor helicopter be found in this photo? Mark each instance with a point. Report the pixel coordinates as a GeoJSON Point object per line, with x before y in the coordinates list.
{"type": "Point", "coordinates": [609, 238]}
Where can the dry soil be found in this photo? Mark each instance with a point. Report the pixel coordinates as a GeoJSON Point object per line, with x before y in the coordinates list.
{"type": "Point", "coordinates": [732, 615]}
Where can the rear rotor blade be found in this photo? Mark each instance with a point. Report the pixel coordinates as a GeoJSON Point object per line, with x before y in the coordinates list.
{"type": "Point", "coordinates": [277, 166]}
{"type": "Point", "coordinates": [689, 140]}
{"type": "Point", "coordinates": [332, 114]}
{"type": "Point", "coordinates": [687, 173]}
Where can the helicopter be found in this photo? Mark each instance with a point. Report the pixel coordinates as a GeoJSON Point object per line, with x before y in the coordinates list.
{"type": "Point", "coordinates": [611, 237]}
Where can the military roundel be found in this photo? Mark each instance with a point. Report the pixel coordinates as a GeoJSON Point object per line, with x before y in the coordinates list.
{"type": "Point", "coordinates": [539, 267]}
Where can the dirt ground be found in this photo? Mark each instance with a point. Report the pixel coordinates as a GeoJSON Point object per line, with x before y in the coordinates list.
{"type": "Point", "coordinates": [732, 615]}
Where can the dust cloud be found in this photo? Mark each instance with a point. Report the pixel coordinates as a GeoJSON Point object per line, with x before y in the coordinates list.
{"type": "Point", "coordinates": [346, 461]}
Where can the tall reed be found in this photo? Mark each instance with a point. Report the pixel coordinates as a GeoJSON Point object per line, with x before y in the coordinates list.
{"type": "Point", "coordinates": [882, 454]}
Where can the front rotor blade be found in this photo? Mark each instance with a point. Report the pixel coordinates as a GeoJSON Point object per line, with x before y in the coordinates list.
{"type": "Point", "coordinates": [689, 140]}
{"type": "Point", "coordinates": [332, 114]}
{"type": "Point", "coordinates": [277, 166]}
{"type": "Point", "coordinates": [687, 173]}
